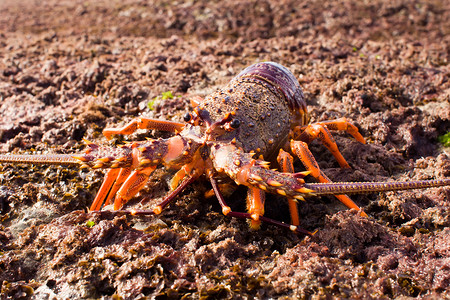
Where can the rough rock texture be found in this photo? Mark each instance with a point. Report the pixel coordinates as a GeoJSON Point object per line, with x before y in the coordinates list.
{"type": "Point", "coordinates": [70, 68]}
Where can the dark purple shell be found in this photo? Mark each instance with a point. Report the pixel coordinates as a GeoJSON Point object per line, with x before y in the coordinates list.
{"type": "Point", "coordinates": [279, 77]}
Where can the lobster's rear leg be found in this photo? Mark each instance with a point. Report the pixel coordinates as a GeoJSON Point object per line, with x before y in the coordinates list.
{"type": "Point", "coordinates": [313, 131]}
{"type": "Point", "coordinates": [341, 124]}
{"type": "Point", "coordinates": [144, 123]}
{"type": "Point", "coordinates": [301, 150]}
{"type": "Point", "coordinates": [320, 130]}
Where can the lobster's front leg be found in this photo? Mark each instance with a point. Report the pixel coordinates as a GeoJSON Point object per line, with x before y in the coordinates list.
{"type": "Point", "coordinates": [128, 174]}
{"type": "Point", "coordinates": [255, 206]}
{"type": "Point", "coordinates": [131, 165]}
{"type": "Point", "coordinates": [132, 185]}
{"type": "Point", "coordinates": [286, 162]}
{"type": "Point", "coordinates": [104, 195]}
{"type": "Point", "coordinates": [230, 160]}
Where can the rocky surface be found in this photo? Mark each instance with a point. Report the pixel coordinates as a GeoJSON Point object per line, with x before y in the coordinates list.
{"type": "Point", "coordinates": [70, 68]}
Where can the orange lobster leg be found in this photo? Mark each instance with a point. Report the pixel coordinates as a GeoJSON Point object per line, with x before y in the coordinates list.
{"type": "Point", "coordinates": [194, 168]}
{"type": "Point", "coordinates": [180, 175]}
{"type": "Point", "coordinates": [123, 175]}
{"type": "Point", "coordinates": [144, 123]}
{"type": "Point", "coordinates": [134, 183]}
{"type": "Point", "coordinates": [320, 130]}
{"type": "Point", "coordinates": [286, 162]}
{"type": "Point", "coordinates": [113, 181]}
{"type": "Point", "coordinates": [301, 150]}
{"type": "Point", "coordinates": [343, 124]}
{"type": "Point", "coordinates": [255, 206]}
{"type": "Point", "coordinates": [110, 177]}
{"type": "Point", "coordinates": [313, 131]}
{"type": "Point", "coordinates": [226, 210]}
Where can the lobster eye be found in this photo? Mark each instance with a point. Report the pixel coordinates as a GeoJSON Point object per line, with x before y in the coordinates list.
{"type": "Point", "coordinates": [235, 123]}
{"type": "Point", "coordinates": [187, 117]}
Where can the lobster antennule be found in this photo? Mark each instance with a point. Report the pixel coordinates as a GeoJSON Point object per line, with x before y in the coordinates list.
{"type": "Point", "coordinates": [369, 187]}
{"type": "Point", "coordinates": [48, 159]}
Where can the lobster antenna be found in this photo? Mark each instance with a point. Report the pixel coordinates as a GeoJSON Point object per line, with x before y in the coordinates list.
{"type": "Point", "coordinates": [336, 188]}
{"type": "Point", "coordinates": [48, 159]}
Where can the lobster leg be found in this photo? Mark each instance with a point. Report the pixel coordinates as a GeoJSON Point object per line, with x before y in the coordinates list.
{"type": "Point", "coordinates": [301, 150]}
{"type": "Point", "coordinates": [255, 206]}
{"type": "Point", "coordinates": [320, 130]}
{"type": "Point", "coordinates": [113, 181]}
{"type": "Point", "coordinates": [286, 162]}
{"type": "Point", "coordinates": [186, 175]}
{"type": "Point", "coordinates": [109, 180]}
{"type": "Point", "coordinates": [226, 210]}
{"type": "Point", "coordinates": [123, 175]}
{"type": "Point", "coordinates": [313, 131]}
{"type": "Point", "coordinates": [144, 123]}
{"type": "Point", "coordinates": [341, 124]}
{"type": "Point", "coordinates": [186, 179]}
{"type": "Point", "coordinates": [132, 185]}
{"type": "Point", "coordinates": [158, 208]}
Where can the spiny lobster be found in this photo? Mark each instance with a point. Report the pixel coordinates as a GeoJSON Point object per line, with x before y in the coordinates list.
{"type": "Point", "coordinates": [233, 134]}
